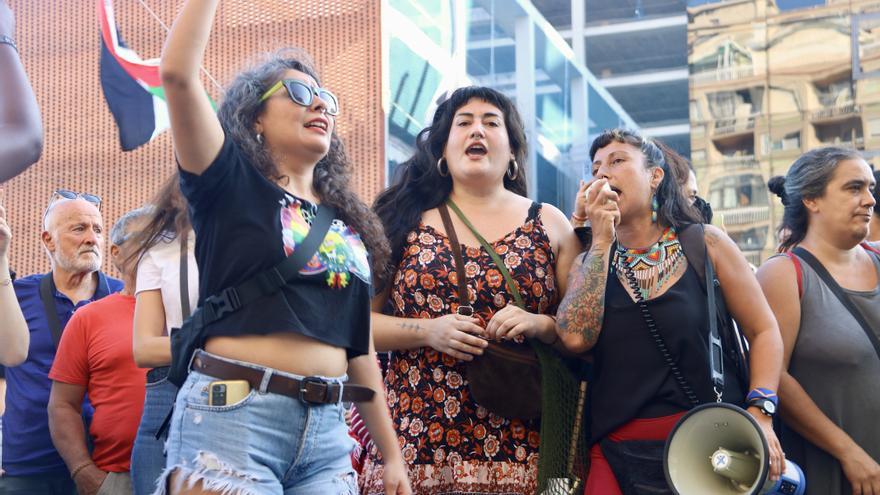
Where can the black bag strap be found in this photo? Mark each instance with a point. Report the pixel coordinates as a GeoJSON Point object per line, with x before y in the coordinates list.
{"type": "Point", "coordinates": [184, 275]}
{"type": "Point", "coordinates": [272, 280]}
{"type": "Point", "coordinates": [658, 339]}
{"type": "Point", "coordinates": [832, 284]}
{"type": "Point", "coordinates": [695, 249]}
{"type": "Point", "coordinates": [47, 295]}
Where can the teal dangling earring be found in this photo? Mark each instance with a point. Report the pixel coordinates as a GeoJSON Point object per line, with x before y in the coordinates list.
{"type": "Point", "coordinates": [654, 207]}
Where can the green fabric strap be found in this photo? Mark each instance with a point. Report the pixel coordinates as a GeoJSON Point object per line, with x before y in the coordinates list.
{"type": "Point", "coordinates": [489, 249]}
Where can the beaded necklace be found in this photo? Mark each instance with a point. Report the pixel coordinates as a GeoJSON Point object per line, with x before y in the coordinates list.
{"type": "Point", "coordinates": [652, 267]}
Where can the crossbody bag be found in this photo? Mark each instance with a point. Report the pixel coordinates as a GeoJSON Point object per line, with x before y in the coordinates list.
{"type": "Point", "coordinates": [191, 335]}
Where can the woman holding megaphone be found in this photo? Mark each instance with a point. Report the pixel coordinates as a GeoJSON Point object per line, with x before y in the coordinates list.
{"type": "Point", "coordinates": [825, 293]}
{"type": "Point", "coordinates": [637, 300]}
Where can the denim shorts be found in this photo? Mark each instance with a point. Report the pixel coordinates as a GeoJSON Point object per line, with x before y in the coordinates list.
{"type": "Point", "coordinates": [264, 444]}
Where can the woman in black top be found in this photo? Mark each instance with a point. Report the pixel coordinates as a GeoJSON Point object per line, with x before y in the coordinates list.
{"type": "Point", "coordinates": [636, 210]}
{"type": "Point", "coordinates": [253, 175]}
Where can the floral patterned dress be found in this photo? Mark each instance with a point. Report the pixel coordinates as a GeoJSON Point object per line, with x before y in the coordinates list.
{"type": "Point", "coordinates": [450, 443]}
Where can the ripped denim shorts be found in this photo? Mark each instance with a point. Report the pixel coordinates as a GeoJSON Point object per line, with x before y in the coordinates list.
{"type": "Point", "coordinates": [264, 444]}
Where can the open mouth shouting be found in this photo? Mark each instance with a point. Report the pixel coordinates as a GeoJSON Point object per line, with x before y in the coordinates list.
{"type": "Point", "coordinates": [476, 151]}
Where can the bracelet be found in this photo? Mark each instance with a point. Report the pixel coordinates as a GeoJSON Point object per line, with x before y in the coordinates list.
{"type": "Point", "coordinates": [5, 281]}
{"type": "Point", "coordinates": [79, 468]}
{"type": "Point", "coordinates": [6, 40]}
{"type": "Point", "coordinates": [763, 393]}
{"type": "Point", "coordinates": [578, 218]}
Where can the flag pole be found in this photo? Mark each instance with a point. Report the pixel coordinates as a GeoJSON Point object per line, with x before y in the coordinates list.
{"type": "Point", "coordinates": [168, 30]}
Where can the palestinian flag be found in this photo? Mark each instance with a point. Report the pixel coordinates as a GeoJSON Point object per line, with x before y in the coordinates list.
{"type": "Point", "coordinates": [131, 86]}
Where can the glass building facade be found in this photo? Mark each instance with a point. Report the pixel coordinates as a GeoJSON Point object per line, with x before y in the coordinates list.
{"type": "Point", "coordinates": [434, 46]}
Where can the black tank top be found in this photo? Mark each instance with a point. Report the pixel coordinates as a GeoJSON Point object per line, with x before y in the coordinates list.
{"type": "Point", "coordinates": [631, 379]}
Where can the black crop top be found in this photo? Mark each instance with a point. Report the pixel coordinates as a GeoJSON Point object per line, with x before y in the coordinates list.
{"type": "Point", "coordinates": [245, 224]}
{"type": "Point", "coordinates": [631, 379]}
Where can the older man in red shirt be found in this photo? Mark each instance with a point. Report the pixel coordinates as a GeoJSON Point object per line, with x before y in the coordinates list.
{"type": "Point", "coordinates": [95, 356]}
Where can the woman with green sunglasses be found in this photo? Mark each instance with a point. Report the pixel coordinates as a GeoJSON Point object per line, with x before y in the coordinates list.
{"type": "Point", "coordinates": [253, 175]}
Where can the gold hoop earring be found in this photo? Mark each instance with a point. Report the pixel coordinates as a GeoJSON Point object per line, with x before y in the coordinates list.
{"type": "Point", "coordinates": [440, 168]}
{"type": "Point", "coordinates": [513, 176]}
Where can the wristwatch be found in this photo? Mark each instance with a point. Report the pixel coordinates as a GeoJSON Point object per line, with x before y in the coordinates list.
{"type": "Point", "coordinates": [766, 406]}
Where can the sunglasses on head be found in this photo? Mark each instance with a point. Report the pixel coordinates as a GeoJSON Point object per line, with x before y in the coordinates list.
{"type": "Point", "coordinates": [303, 94]}
{"type": "Point", "coordinates": [64, 195]}
{"type": "Point", "coordinates": [61, 194]}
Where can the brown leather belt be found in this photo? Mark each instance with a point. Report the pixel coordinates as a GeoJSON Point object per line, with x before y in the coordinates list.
{"type": "Point", "coordinates": [311, 389]}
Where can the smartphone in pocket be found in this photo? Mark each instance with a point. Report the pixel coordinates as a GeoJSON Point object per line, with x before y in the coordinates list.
{"type": "Point", "coordinates": [223, 392]}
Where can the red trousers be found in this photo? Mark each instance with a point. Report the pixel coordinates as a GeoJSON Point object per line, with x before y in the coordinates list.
{"type": "Point", "coordinates": [601, 480]}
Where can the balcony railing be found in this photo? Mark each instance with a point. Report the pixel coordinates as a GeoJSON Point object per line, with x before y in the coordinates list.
{"type": "Point", "coordinates": [723, 74]}
{"type": "Point", "coordinates": [734, 126]}
{"type": "Point", "coordinates": [746, 215]}
{"type": "Point", "coordinates": [836, 111]}
{"type": "Point", "coordinates": [739, 162]}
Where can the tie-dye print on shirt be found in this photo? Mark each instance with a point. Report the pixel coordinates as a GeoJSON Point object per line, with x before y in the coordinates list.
{"type": "Point", "coordinates": [340, 255]}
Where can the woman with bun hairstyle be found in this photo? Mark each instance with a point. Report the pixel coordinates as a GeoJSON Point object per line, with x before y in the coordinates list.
{"type": "Point", "coordinates": [829, 392]}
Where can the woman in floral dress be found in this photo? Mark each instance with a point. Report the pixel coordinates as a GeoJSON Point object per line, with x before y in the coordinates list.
{"type": "Point", "coordinates": [472, 155]}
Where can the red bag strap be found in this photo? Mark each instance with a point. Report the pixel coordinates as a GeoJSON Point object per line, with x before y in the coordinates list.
{"type": "Point", "coordinates": [869, 247]}
{"type": "Point", "coordinates": [800, 273]}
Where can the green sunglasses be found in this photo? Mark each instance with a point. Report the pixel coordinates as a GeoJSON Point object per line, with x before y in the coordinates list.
{"type": "Point", "coordinates": [303, 94]}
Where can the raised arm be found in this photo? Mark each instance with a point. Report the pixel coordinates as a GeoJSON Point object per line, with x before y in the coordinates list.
{"type": "Point", "coordinates": [582, 310]}
{"type": "Point", "coordinates": [14, 333]}
{"type": "Point", "coordinates": [151, 348]}
{"type": "Point", "coordinates": [195, 129]}
{"type": "Point", "coordinates": [779, 284]}
{"type": "Point", "coordinates": [21, 130]}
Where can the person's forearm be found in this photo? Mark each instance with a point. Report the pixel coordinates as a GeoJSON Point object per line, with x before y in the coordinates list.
{"type": "Point", "coordinates": [393, 334]}
{"type": "Point", "coordinates": [21, 129]}
{"type": "Point", "coordinates": [804, 416]}
{"type": "Point", "coordinates": [582, 310]}
{"type": "Point", "coordinates": [68, 433]}
{"type": "Point", "coordinates": [765, 360]}
{"type": "Point", "coordinates": [14, 332]}
{"type": "Point", "coordinates": [152, 352]}
{"type": "Point", "coordinates": [185, 48]}
{"type": "Point", "coordinates": [364, 370]}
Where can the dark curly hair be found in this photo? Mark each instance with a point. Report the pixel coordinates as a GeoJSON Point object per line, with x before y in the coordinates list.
{"type": "Point", "coordinates": [332, 176]}
{"type": "Point", "coordinates": [807, 178]}
{"type": "Point", "coordinates": [674, 209]}
{"type": "Point", "coordinates": [418, 185]}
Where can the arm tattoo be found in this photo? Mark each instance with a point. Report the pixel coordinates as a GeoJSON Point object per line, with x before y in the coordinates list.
{"type": "Point", "coordinates": [410, 326]}
{"type": "Point", "coordinates": [583, 308]}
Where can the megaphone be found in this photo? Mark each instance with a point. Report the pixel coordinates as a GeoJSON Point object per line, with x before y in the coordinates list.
{"type": "Point", "coordinates": [719, 449]}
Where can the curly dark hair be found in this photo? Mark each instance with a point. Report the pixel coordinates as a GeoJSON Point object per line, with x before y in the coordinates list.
{"type": "Point", "coordinates": [238, 114]}
{"type": "Point", "coordinates": [807, 178]}
{"type": "Point", "coordinates": [418, 185]}
{"type": "Point", "coordinates": [674, 209]}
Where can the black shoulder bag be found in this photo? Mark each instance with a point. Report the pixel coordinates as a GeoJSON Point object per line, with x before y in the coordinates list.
{"type": "Point", "coordinates": [191, 335]}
